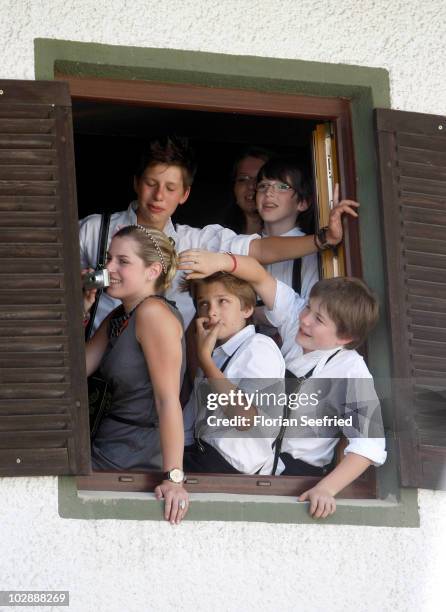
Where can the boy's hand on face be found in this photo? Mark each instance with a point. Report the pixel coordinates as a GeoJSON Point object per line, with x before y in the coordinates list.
{"type": "Point", "coordinates": [322, 502]}
{"type": "Point", "coordinates": [335, 232]}
{"type": "Point", "coordinates": [203, 263]}
{"type": "Point", "coordinates": [206, 338]}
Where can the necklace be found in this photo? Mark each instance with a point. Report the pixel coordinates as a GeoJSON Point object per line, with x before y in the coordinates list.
{"type": "Point", "coordinates": [119, 322]}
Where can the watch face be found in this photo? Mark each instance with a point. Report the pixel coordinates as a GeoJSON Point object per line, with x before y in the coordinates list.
{"type": "Point", "coordinates": [176, 475]}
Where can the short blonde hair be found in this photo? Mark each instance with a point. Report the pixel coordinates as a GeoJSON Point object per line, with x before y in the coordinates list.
{"type": "Point", "coordinates": [351, 305]}
{"type": "Point", "coordinates": [153, 246]}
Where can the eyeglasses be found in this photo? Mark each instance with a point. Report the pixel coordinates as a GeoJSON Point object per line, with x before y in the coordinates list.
{"type": "Point", "coordinates": [276, 186]}
{"type": "Point", "coordinates": [244, 179]}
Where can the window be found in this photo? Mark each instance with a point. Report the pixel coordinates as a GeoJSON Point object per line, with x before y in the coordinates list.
{"type": "Point", "coordinates": [27, 417]}
{"type": "Point", "coordinates": [108, 134]}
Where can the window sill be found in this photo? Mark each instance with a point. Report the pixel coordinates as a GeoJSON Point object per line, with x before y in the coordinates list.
{"type": "Point", "coordinates": [235, 507]}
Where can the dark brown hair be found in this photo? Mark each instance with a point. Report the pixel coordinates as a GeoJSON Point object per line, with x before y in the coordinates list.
{"type": "Point", "coordinates": [172, 151]}
{"type": "Point", "coordinates": [289, 170]}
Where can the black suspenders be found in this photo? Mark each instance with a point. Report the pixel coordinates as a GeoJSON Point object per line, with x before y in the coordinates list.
{"type": "Point", "coordinates": [202, 422]}
{"type": "Point", "coordinates": [296, 282]}
{"type": "Point", "coordinates": [292, 386]}
{"type": "Point", "coordinates": [296, 279]}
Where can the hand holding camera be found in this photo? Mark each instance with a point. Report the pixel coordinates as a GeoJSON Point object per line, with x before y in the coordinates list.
{"type": "Point", "coordinates": [90, 286]}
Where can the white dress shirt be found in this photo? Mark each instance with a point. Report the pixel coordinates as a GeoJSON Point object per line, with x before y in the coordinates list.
{"type": "Point", "coordinates": [345, 364]}
{"type": "Point", "coordinates": [211, 237]}
{"type": "Point", "coordinates": [256, 364]}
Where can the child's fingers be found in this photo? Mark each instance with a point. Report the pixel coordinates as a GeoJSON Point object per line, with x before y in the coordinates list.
{"type": "Point", "coordinates": [313, 505]}
{"type": "Point", "coordinates": [345, 208]}
{"type": "Point", "coordinates": [200, 323]}
{"type": "Point", "coordinates": [187, 260]}
{"type": "Point", "coordinates": [325, 507]}
{"type": "Point", "coordinates": [214, 330]}
{"type": "Point", "coordinates": [192, 275]}
{"type": "Point", "coordinates": [327, 510]}
{"type": "Point", "coordinates": [188, 255]}
{"type": "Point", "coordinates": [353, 203]}
{"type": "Point", "coordinates": [192, 257]}
{"type": "Point", "coordinates": [303, 497]}
{"type": "Point", "coordinates": [336, 195]}
{"type": "Point", "coordinates": [319, 509]}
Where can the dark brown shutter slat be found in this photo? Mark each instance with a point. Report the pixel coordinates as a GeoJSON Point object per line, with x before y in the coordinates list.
{"type": "Point", "coordinates": [42, 390]}
{"type": "Point", "coordinates": [13, 298]}
{"type": "Point", "coordinates": [27, 360]}
{"type": "Point", "coordinates": [22, 141]}
{"type": "Point", "coordinates": [28, 187]}
{"type": "Point", "coordinates": [412, 157]}
{"type": "Point", "coordinates": [14, 251]}
{"type": "Point", "coordinates": [32, 375]}
{"type": "Point", "coordinates": [12, 407]}
{"type": "Point", "coordinates": [34, 423]}
{"type": "Point", "coordinates": [34, 462]}
{"type": "Point", "coordinates": [27, 158]}
{"type": "Point", "coordinates": [43, 404]}
{"type": "Point", "coordinates": [32, 439]}
{"type": "Point", "coordinates": [26, 126]}
{"type": "Point", "coordinates": [25, 173]}
{"type": "Point", "coordinates": [42, 266]}
{"type": "Point", "coordinates": [27, 236]}
{"type": "Point", "coordinates": [32, 313]}
{"type": "Point", "coordinates": [19, 345]}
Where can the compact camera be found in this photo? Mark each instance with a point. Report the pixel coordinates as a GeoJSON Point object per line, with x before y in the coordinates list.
{"type": "Point", "coordinates": [98, 279]}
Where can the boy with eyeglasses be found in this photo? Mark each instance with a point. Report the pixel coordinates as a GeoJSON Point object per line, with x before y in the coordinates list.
{"type": "Point", "coordinates": [283, 199]}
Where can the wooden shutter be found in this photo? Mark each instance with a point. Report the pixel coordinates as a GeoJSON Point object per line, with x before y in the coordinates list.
{"type": "Point", "coordinates": [43, 404]}
{"type": "Point", "coordinates": [412, 158]}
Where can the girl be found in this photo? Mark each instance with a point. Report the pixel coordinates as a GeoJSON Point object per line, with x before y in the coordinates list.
{"type": "Point", "coordinates": [139, 351]}
{"type": "Point", "coordinates": [242, 216]}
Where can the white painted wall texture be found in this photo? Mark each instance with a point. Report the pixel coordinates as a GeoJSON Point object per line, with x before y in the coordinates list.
{"type": "Point", "coordinates": [136, 565]}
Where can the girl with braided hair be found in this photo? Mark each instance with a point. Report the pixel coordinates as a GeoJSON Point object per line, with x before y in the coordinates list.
{"type": "Point", "coordinates": [139, 350]}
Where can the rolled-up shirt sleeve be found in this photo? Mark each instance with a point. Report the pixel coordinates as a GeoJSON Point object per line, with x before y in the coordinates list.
{"type": "Point", "coordinates": [371, 448]}
{"type": "Point", "coordinates": [285, 315]}
{"type": "Point", "coordinates": [366, 433]}
{"type": "Point", "coordinates": [215, 238]}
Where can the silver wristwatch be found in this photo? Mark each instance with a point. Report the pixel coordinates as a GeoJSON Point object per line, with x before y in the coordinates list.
{"type": "Point", "coordinates": [175, 475]}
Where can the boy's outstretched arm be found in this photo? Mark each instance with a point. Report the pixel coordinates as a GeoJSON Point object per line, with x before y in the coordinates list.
{"type": "Point", "coordinates": [204, 263]}
{"type": "Point", "coordinates": [273, 249]}
{"type": "Point", "coordinates": [322, 496]}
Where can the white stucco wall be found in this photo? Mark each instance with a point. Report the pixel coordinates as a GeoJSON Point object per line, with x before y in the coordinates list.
{"type": "Point", "coordinates": [126, 565]}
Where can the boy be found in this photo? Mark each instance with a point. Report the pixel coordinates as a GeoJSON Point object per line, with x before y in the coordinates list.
{"type": "Point", "coordinates": [233, 358]}
{"type": "Point", "coordinates": [318, 341]}
{"type": "Point", "coordinates": [283, 201]}
{"type": "Point", "coordinates": [162, 183]}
